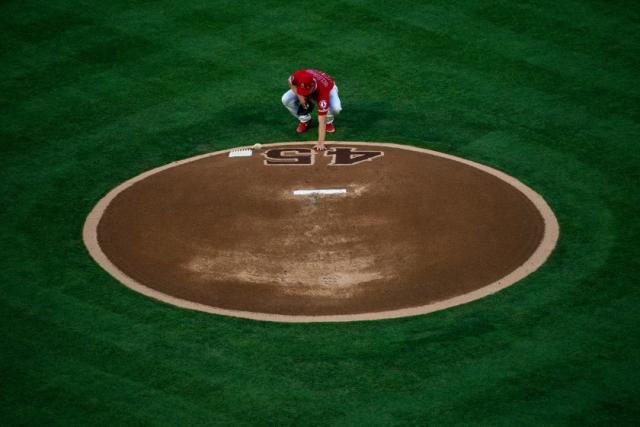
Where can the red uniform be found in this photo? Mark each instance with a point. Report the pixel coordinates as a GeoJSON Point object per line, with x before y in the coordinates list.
{"type": "Point", "coordinates": [314, 84]}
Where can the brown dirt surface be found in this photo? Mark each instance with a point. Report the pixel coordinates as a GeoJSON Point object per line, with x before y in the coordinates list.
{"type": "Point", "coordinates": [413, 229]}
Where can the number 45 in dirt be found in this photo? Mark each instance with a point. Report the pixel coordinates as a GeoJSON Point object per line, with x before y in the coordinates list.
{"type": "Point", "coordinates": [341, 156]}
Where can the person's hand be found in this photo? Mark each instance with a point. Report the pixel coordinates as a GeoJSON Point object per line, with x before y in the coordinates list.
{"type": "Point", "coordinates": [304, 108]}
{"type": "Point", "coordinates": [320, 146]}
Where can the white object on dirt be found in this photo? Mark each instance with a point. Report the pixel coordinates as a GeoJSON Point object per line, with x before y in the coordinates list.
{"type": "Point", "coordinates": [319, 191]}
{"type": "Point", "coordinates": [240, 153]}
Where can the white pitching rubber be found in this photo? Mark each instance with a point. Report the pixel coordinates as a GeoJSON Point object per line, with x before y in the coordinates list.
{"type": "Point", "coordinates": [319, 191]}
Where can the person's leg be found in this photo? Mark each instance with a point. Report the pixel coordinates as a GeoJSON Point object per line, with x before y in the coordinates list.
{"type": "Point", "coordinates": [291, 103]}
{"type": "Point", "coordinates": [335, 106]}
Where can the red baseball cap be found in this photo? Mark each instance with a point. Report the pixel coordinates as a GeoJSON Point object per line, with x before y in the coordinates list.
{"type": "Point", "coordinates": [305, 82]}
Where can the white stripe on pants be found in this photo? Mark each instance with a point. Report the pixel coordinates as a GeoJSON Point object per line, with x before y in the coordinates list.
{"type": "Point", "coordinates": [291, 102]}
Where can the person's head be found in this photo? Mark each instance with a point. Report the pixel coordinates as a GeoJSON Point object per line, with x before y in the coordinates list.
{"type": "Point", "coordinates": [304, 82]}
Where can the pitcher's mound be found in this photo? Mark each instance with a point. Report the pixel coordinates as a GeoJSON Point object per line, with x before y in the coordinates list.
{"type": "Point", "coordinates": [363, 231]}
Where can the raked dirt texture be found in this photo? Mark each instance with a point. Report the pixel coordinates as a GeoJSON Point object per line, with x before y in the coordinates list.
{"type": "Point", "coordinates": [95, 93]}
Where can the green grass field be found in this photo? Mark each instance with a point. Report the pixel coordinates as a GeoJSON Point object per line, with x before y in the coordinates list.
{"type": "Point", "coordinates": [93, 93]}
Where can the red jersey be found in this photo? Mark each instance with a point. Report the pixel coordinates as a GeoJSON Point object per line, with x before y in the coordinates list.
{"type": "Point", "coordinates": [324, 84]}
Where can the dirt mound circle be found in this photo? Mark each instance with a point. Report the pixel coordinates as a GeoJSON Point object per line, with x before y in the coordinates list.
{"type": "Point", "coordinates": [363, 231]}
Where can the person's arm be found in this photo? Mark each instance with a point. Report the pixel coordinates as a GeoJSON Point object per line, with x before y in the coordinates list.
{"type": "Point", "coordinates": [301, 99]}
{"type": "Point", "coordinates": [322, 129]}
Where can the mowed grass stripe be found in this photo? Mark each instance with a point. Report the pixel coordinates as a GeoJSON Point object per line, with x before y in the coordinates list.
{"type": "Point", "coordinates": [79, 389]}
{"type": "Point", "coordinates": [121, 375]}
{"type": "Point", "coordinates": [562, 44]}
{"type": "Point", "coordinates": [465, 52]}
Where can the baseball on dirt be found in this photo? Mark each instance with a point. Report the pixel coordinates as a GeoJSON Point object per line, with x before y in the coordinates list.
{"type": "Point", "coordinates": [256, 146]}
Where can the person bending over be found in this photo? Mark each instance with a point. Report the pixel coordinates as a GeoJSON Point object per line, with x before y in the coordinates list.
{"type": "Point", "coordinates": [309, 87]}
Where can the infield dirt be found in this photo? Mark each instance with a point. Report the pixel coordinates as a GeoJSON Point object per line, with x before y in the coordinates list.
{"type": "Point", "coordinates": [412, 229]}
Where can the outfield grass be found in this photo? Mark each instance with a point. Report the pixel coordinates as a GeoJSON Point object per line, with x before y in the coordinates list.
{"type": "Point", "coordinates": [93, 93]}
